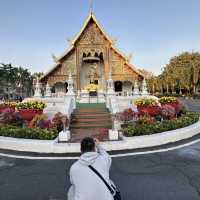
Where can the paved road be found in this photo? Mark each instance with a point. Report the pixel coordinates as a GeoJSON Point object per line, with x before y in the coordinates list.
{"type": "Point", "coordinates": [170, 175]}
{"type": "Point", "coordinates": [192, 104]}
{"type": "Point", "coordinates": [173, 175]}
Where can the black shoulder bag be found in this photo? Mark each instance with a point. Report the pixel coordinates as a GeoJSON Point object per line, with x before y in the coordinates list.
{"type": "Point", "coordinates": [113, 190]}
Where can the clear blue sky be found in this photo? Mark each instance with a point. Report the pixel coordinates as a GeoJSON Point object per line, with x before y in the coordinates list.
{"type": "Point", "coordinates": [152, 30]}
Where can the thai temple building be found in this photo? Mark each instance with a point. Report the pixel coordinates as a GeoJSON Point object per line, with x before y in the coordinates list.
{"type": "Point", "coordinates": [91, 81]}
{"type": "Point", "coordinates": [91, 60]}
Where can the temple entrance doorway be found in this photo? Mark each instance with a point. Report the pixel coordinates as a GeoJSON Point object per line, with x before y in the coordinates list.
{"type": "Point", "coordinates": [118, 86]}
{"type": "Point", "coordinates": [92, 70]}
{"type": "Point", "coordinates": [59, 88]}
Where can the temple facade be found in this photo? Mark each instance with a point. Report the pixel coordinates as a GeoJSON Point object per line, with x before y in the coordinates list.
{"type": "Point", "coordinates": [91, 59]}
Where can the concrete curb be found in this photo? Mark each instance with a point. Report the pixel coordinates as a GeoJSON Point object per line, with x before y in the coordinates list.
{"type": "Point", "coordinates": [127, 143]}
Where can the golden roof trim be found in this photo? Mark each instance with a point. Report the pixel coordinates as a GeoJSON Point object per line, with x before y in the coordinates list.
{"type": "Point", "coordinates": [58, 63]}
{"type": "Point", "coordinates": [134, 68]}
{"type": "Point", "coordinates": [126, 60]}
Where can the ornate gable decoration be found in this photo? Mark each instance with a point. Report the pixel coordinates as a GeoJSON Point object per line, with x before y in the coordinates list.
{"type": "Point", "coordinates": [91, 35]}
{"type": "Point", "coordinates": [92, 32]}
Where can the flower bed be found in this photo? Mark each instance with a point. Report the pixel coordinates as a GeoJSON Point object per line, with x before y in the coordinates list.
{"type": "Point", "coordinates": [144, 101]}
{"type": "Point", "coordinates": [39, 105]}
{"type": "Point", "coordinates": [12, 124]}
{"type": "Point", "coordinates": [147, 106]}
{"type": "Point", "coordinates": [150, 110]}
{"type": "Point", "coordinates": [29, 109]}
{"type": "Point", "coordinates": [28, 133]}
{"type": "Point", "coordinates": [155, 116]}
{"type": "Point", "coordinates": [170, 101]}
{"type": "Point", "coordinates": [166, 100]}
{"type": "Point", "coordinates": [2, 108]}
{"type": "Point", "coordinates": [29, 114]}
{"type": "Point", "coordinates": [147, 127]}
{"type": "Point", "coordinates": [6, 105]}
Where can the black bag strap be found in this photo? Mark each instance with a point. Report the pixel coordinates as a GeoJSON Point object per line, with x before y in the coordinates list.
{"type": "Point", "coordinates": [101, 177]}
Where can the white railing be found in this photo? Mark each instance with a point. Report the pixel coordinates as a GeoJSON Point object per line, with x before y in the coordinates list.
{"type": "Point", "coordinates": [58, 94]}
{"type": "Point", "coordinates": [114, 105]}
{"type": "Point", "coordinates": [70, 104]}
{"type": "Point", "coordinates": [125, 94]}
{"type": "Point", "coordinates": [64, 105]}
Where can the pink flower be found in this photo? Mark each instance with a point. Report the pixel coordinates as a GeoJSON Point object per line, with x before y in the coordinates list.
{"type": "Point", "coordinates": [167, 111]}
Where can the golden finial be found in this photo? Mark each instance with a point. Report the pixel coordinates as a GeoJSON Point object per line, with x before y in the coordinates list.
{"type": "Point", "coordinates": [91, 6]}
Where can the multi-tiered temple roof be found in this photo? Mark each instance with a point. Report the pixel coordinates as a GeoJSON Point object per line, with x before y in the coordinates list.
{"type": "Point", "coordinates": [92, 41]}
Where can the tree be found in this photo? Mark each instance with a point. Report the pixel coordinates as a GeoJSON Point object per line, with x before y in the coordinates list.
{"type": "Point", "coordinates": [183, 72]}
{"type": "Point", "coordinates": [15, 81]}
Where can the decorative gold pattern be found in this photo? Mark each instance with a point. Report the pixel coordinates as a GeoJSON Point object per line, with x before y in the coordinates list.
{"type": "Point", "coordinates": [92, 35]}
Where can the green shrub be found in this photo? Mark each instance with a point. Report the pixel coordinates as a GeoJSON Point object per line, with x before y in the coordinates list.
{"type": "Point", "coordinates": [169, 94]}
{"type": "Point", "coordinates": [136, 129]}
{"type": "Point", "coordinates": [28, 133]}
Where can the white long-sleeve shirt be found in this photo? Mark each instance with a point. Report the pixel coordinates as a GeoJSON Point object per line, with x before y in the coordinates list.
{"type": "Point", "coordinates": [86, 185]}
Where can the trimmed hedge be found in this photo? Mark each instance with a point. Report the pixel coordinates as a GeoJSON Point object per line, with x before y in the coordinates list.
{"type": "Point", "coordinates": [134, 129]}
{"type": "Point", "coordinates": [28, 133]}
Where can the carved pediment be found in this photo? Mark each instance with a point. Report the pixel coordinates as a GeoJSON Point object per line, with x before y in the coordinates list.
{"type": "Point", "coordinates": [92, 35]}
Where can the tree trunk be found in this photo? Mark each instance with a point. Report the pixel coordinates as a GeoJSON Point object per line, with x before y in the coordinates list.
{"type": "Point", "coordinates": [153, 89]}
{"type": "Point", "coordinates": [167, 89]}
{"type": "Point", "coordinates": [180, 92]}
{"type": "Point", "coordinates": [194, 89]}
{"type": "Point", "coordinates": [173, 92]}
{"type": "Point", "coordinates": [161, 89]}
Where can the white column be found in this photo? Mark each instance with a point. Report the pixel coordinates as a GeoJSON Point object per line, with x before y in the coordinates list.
{"type": "Point", "coordinates": [110, 86]}
{"type": "Point", "coordinates": [48, 91]}
{"type": "Point", "coordinates": [37, 92]}
{"type": "Point", "coordinates": [70, 86]}
{"type": "Point", "coordinates": [136, 91]}
{"type": "Point", "coordinates": [144, 88]}
{"type": "Point", "coordinates": [110, 95]}
{"type": "Point", "coordinates": [70, 92]}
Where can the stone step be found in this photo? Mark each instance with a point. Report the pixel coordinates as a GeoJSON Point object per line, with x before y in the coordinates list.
{"type": "Point", "coordinates": [90, 117]}
{"type": "Point", "coordinates": [103, 122]}
{"type": "Point", "coordinates": [94, 115]}
{"type": "Point", "coordinates": [104, 119]}
{"type": "Point", "coordinates": [86, 109]}
{"type": "Point", "coordinates": [90, 125]}
{"type": "Point", "coordinates": [79, 134]}
{"type": "Point", "coordinates": [91, 120]}
{"type": "Point", "coordinates": [89, 131]}
{"type": "Point", "coordinates": [91, 105]}
{"type": "Point", "coordinates": [78, 138]}
{"type": "Point", "coordinates": [90, 111]}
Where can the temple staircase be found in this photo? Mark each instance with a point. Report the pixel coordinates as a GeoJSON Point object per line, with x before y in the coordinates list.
{"type": "Point", "coordinates": [90, 119]}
